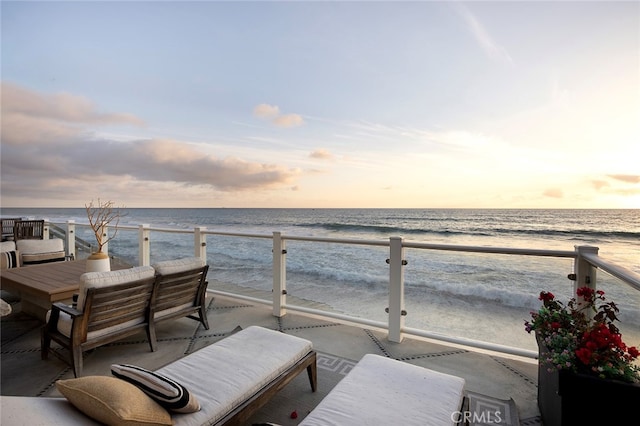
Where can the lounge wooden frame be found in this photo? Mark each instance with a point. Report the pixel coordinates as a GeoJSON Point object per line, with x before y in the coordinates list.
{"type": "Point", "coordinates": [241, 414]}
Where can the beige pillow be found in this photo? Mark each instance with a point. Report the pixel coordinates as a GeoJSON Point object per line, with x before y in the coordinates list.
{"type": "Point", "coordinates": [113, 401]}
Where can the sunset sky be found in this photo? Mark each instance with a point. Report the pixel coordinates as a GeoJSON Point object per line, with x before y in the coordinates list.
{"type": "Point", "coordinates": [321, 104]}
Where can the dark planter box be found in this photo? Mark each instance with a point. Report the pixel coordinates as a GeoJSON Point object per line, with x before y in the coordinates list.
{"type": "Point", "coordinates": [567, 398]}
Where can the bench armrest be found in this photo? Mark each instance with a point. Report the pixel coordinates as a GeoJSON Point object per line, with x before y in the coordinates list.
{"type": "Point", "coordinates": [73, 312]}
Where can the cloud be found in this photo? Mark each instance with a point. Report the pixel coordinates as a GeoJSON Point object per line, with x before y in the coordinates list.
{"type": "Point", "coordinates": [46, 149]}
{"type": "Point", "coordinates": [272, 112]}
{"type": "Point", "coordinates": [599, 184]}
{"type": "Point", "coordinates": [554, 193]}
{"type": "Point", "coordinates": [288, 120]}
{"type": "Point", "coordinates": [18, 101]}
{"type": "Point", "coordinates": [321, 154]}
{"type": "Point", "coordinates": [626, 178]}
{"type": "Point", "coordinates": [266, 111]}
{"type": "Point", "coordinates": [482, 36]}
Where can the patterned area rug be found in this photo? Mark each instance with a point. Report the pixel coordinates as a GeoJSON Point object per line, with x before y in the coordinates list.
{"type": "Point", "coordinates": [486, 410]}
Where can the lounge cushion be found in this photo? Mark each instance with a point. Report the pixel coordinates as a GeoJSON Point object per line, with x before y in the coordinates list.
{"type": "Point", "coordinates": [30, 411]}
{"type": "Point", "coordinates": [178, 265]}
{"type": "Point", "coordinates": [165, 391]}
{"type": "Point", "coordinates": [101, 279]}
{"type": "Point", "coordinates": [236, 368]}
{"type": "Point", "coordinates": [9, 259]}
{"type": "Point", "coordinates": [384, 391]}
{"type": "Point", "coordinates": [33, 252]}
{"type": "Point", "coordinates": [113, 401]}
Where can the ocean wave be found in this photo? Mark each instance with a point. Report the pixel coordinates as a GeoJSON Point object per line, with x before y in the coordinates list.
{"type": "Point", "coordinates": [379, 229]}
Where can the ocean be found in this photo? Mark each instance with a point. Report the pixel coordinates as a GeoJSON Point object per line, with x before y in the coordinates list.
{"type": "Point", "coordinates": [478, 296]}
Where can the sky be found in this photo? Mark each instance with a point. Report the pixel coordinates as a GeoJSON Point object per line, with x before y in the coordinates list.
{"type": "Point", "coordinates": [424, 104]}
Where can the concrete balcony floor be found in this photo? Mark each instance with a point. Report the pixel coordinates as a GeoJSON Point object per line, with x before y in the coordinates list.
{"type": "Point", "coordinates": [339, 347]}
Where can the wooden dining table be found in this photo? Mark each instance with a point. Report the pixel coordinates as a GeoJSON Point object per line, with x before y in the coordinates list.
{"type": "Point", "coordinates": [39, 286]}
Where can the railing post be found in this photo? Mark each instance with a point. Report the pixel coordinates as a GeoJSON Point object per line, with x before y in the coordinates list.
{"type": "Point", "coordinates": [71, 238]}
{"type": "Point", "coordinates": [279, 275]}
{"type": "Point", "coordinates": [200, 243]}
{"type": "Point", "coordinates": [396, 289]}
{"type": "Point", "coordinates": [144, 245]}
{"type": "Point", "coordinates": [585, 272]}
{"type": "Point", "coordinates": [45, 230]}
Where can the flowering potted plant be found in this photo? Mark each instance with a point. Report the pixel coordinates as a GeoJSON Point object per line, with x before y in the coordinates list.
{"type": "Point", "coordinates": [581, 355]}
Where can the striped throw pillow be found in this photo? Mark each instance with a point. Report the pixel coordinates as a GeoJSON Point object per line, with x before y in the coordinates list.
{"type": "Point", "coordinates": [165, 391]}
{"type": "Point", "coordinates": [9, 259]}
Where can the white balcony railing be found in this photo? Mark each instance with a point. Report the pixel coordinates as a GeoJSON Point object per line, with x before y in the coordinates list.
{"type": "Point", "coordinates": [586, 262]}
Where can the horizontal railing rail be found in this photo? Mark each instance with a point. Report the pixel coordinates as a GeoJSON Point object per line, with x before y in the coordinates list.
{"type": "Point", "coordinates": [586, 262]}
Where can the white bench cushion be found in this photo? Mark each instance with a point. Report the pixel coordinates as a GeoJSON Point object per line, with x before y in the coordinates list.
{"type": "Point", "coordinates": [40, 251]}
{"type": "Point", "coordinates": [6, 246]}
{"type": "Point", "coordinates": [225, 374]}
{"type": "Point", "coordinates": [178, 265]}
{"type": "Point", "coordinates": [103, 279]}
{"type": "Point", "coordinates": [383, 391]}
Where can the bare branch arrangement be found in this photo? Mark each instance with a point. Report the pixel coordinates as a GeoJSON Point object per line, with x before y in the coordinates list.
{"type": "Point", "coordinates": [102, 215]}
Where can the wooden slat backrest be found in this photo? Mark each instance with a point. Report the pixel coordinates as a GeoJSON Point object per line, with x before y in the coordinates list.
{"type": "Point", "coordinates": [179, 288]}
{"type": "Point", "coordinates": [113, 305]}
{"type": "Point", "coordinates": [7, 226]}
{"type": "Point", "coordinates": [28, 230]}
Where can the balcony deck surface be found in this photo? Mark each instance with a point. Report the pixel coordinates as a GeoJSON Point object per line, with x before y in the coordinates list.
{"type": "Point", "coordinates": [339, 345]}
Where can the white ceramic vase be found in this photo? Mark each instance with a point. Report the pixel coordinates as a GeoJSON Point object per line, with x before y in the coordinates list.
{"type": "Point", "coordinates": [98, 262]}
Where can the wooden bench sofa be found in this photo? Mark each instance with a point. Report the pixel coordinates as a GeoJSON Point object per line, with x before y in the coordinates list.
{"type": "Point", "coordinates": [116, 304]}
{"type": "Point", "coordinates": [231, 379]}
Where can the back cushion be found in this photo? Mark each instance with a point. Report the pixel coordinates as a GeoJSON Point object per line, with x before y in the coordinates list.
{"type": "Point", "coordinates": [6, 246]}
{"type": "Point", "coordinates": [178, 265]}
{"type": "Point", "coordinates": [40, 251]}
{"type": "Point", "coordinates": [102, 279]}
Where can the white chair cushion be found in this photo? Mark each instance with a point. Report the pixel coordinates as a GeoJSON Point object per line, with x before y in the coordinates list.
{"type": "Point", "coordinates": [40, 251]}
{"type": "Point", "coordinates": [178, 265]}
{"type": "Point", "coordinates": [225, 374]}
{"type": "Point", "coordinates": [40, 246]}
{"type": "Point", "coordinates": [384, 391]}
{"type": "Point", "coordinates": [103, 279]}
{"type": "Point", "coordinates": [6, 246]}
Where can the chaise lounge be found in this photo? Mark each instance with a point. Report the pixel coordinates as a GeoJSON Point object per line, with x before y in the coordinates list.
{"type": "Point", "coordinates": [384, 391]}
{"type": "Point", "coordinates": [230, 379]}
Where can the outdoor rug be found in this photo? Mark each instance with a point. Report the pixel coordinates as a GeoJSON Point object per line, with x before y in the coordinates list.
{"type": "Point", "coordinates": [486, 410]}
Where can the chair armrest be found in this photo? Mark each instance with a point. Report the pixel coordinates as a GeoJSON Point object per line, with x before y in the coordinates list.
{"type": "Point", "coordinates": [59, 306]}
